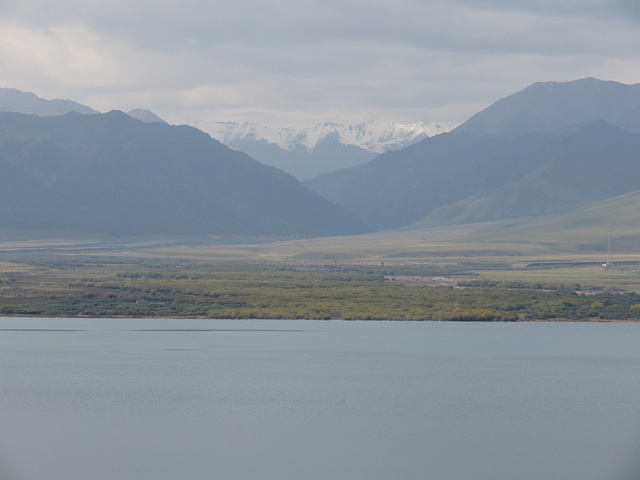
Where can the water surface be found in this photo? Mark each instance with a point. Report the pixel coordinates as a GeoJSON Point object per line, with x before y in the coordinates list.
{"type": "Point", "coordinates": [98, 399]}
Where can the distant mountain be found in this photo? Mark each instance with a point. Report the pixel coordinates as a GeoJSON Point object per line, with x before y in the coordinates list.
{"type": "Point", "coordinates": [452, 179]}
{"type": "Point", "coordinates": [549, 106]}
{"type": "Point", "coordinates": [325, 147]}
{"type": "Point", "coordinates": [12, 100]}
{"type": "Point", "coordinates": [112, 174]}
{"type": "Point", "coordinates": [598, 162]}
{"type": "Point", "coordinates": [329, 155]}
{"type": "Point", "coordinates": [401, 187]}
{"type": "Point", "coordinates": [375, 137]}
{"type": "Point", "coordinates": [547, 149]}
{"type": "Point", "coordinates": [145, 115]}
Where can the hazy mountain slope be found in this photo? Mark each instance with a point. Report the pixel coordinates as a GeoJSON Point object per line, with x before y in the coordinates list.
{"type": "Point", "coordinates": [598, 162]}
{"type": "Point", "coordinates": [145, 115]}
{"type": "Point", "coordinates": [110, 173]}
{"type": "Point", "coordinates": [327, 156]}
{"type": "Point", "coordinates": [583, 228]}
{"type": "Point", "coordinates": [630, 121]}
{"type": "Point", "coordinates": [325, 147]}
{"type": "Point", "coordinates": [461, 179]}
{"type": "Point", "coordinates": [548, 106]}
{"type": "Point", "coordinates": [12, 100]}
{"type": "Point", "coordinates": [401, 187]}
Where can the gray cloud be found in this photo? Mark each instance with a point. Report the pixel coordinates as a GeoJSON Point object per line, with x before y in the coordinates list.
{"type": "Point", "coordinates": [284, 61]}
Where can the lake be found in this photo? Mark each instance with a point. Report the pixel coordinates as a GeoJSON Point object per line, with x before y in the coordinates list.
{"type": "Point", "coordinates": [143, 399]}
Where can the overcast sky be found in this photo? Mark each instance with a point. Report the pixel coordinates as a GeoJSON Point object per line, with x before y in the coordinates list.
{"type": "Point", "coordinates": [293, 62]}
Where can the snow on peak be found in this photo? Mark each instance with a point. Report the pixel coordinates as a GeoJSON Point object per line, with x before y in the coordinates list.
{"type": "Point", "coordinates": [377, 137]}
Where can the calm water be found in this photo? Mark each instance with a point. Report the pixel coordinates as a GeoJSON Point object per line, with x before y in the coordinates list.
{"type": "Point", "coordinates": [285, 400]}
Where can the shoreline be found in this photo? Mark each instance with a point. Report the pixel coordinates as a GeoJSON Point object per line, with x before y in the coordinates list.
{"type": "Point", "coordinates": [132, 317]}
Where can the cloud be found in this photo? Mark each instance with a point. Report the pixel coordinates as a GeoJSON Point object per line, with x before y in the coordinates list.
{"type": "Point", "coordinates": [552, 8]}
{"type": "Point", "coordinates": [289, 61]}
{"type": "Point", "coordinates": [449, 24]}
{"type": "Point", "coordinates": [67, 55]}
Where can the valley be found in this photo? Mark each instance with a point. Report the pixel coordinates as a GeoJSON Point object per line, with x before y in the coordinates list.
{"type": "Point", "coordinates": [481, 272]}
{"type": "Point", "coordinates": [509, 217]}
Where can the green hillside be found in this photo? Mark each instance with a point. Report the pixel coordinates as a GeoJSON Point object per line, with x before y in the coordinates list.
{"type": "Point", "coordinates": [599, 161]}
{"type": "Point", "coordinates": [585, 228]}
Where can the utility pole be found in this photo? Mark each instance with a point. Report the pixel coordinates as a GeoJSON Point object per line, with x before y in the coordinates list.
{"type": "Point", "coordinates": [609, 259]}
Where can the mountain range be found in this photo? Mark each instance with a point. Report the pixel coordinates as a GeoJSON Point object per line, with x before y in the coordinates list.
{"type": "Point", "coordinates": [307, 152]}
{"type": "Point", "coordinates": [16, 101]}
{"type": "Point", "coordinates": [12, 100]}
{"type": "Point", "coordinates": [400, 188]}
{"type": "Point", "coordinates": [522, 156]}
{"type": "Point", "coordinates": [598, 162]}
{"type": "Point", "coordinates": [304, 152]}
{"type": "Point", "coordinates": [551, 149]}
{"type": "Point", "coordinates": [112, 174]}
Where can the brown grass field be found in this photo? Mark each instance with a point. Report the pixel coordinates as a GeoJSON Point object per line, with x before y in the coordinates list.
{"type": "Point", "coordinates": [411, 274]}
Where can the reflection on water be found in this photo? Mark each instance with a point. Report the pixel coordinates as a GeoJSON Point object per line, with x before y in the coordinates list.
{"type": "Point", "coordinates": [196, 399]}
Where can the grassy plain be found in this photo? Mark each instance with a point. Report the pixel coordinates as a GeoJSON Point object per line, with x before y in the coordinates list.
{"type": "Point", "coordinates": [484, 272]}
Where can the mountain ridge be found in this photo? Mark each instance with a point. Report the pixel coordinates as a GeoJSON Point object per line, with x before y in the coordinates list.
{"type": "Point", "coordinates": [547, 106]}
{"type": "Point", "coordinates": [303, 152]}
{"type": "Point", "coordinates": [545, 149]}
{"type": "Point", "coordinates": [307, 152]}
{"type": "Point", "coordinates": [13, 100]}
{"type": "Point", "coordinates": [400, 187]}
{"type": "Point", "coordinates": [112, 174]}
{"type": "Point", "coordinates": [546, 154]}
{"type": "Point", "coordinates": [456, 178]}
{"type": "Point", "coordinates": [28, 103]}
{"type": "Point", "coordinates": [376, 137]}
{"type": "Point", "coordinates": [579, 168]}
{"type": "Point", "coordinates": [145, 115]}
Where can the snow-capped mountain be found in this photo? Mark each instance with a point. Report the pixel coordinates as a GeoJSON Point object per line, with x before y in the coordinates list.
{"type": "Point", "coordinates": [376, 137]}
{"type": "Point", "coordinates": [321, 148]}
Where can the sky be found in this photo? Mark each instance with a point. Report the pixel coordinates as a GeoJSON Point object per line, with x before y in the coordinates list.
{"type": "Point", "coordinates": [299, 62]}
